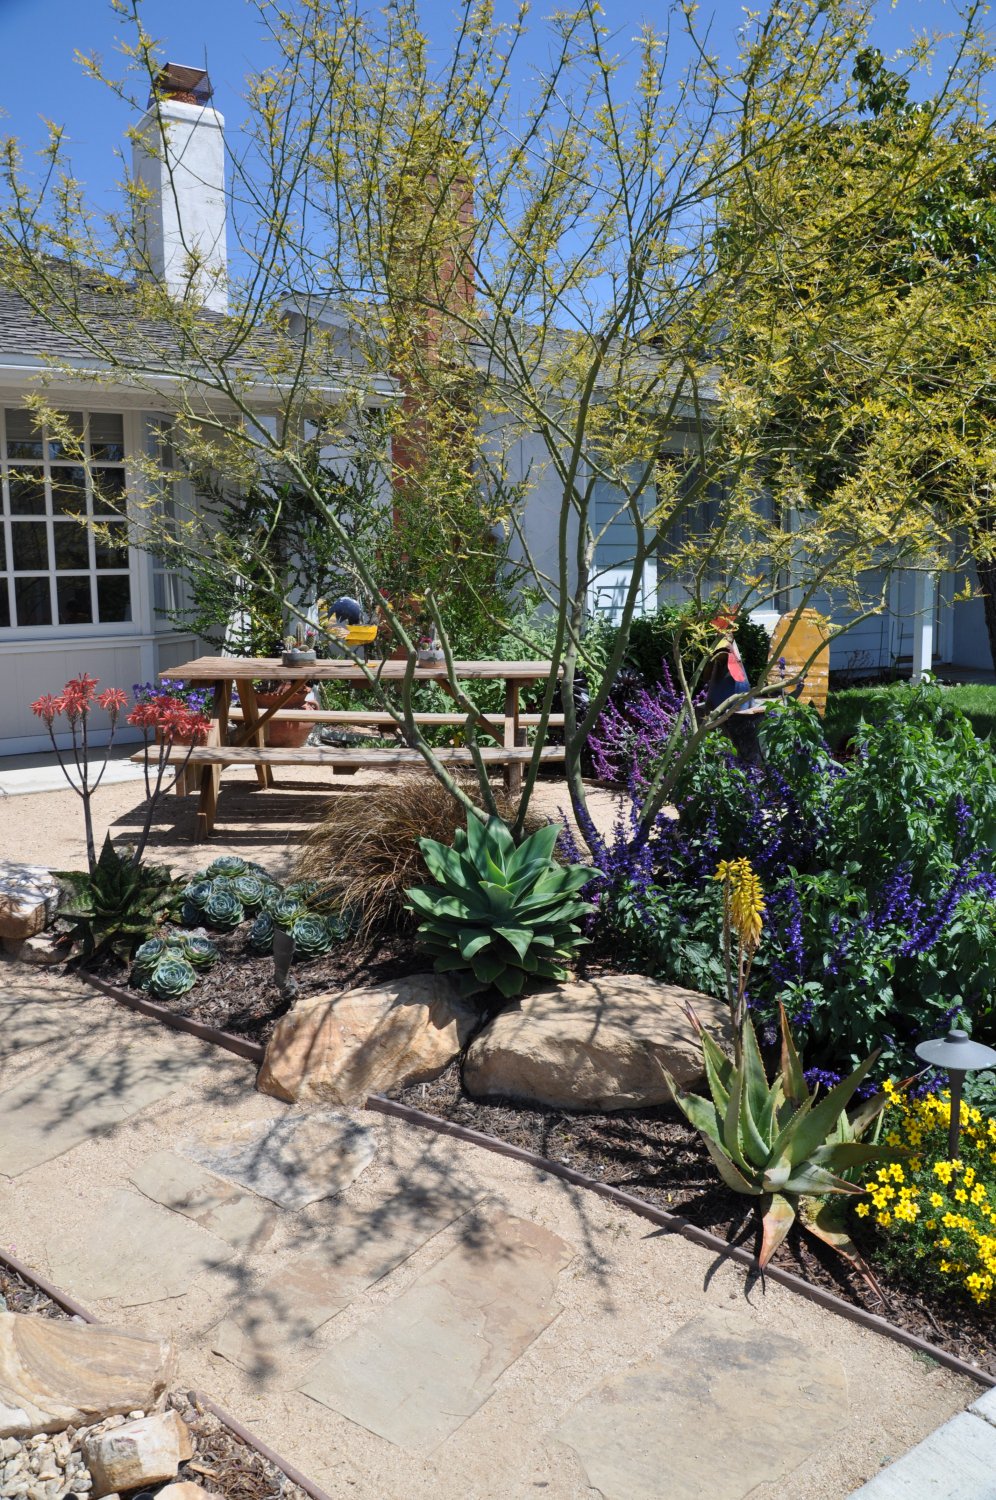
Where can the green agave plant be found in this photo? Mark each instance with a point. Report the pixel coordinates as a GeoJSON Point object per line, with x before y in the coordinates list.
{"type": "Point", "coordinates": [500, 914]}
{"type": "Point", "coordinates": [780, 1143]}
{"type": "Point", "coordinates": [117, 907]}
{"type": "Point", "coordinates": [171, 978]}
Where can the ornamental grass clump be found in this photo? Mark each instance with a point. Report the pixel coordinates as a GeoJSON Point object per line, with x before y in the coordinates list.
{"type": "Point", "coordinates": [935, 1218]}
{"type": "Point", "coordinates": [500, 914]}
{"type": "Point", "coordinates": [366, 850]}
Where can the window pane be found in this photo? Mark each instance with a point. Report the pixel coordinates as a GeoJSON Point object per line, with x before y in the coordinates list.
{"type": "Point", "coordinates": [75, 607]}
{"type": "Point", "coordinates": [107, 436]}
{"type": "Point", "coordinates": [4, 605]}
{"type": "Point", "coordinates": [24, 438]}
{"type": "Point", "coordinates": [108, 490]}
{"type": "Point", "coordinates": [114, 598]}
{"type": "Point", "coordinates": [27, 492]}
{"type": "Point", "coordinates": [72, 548]}
{"type": "Point", "coordinates": [112, 553]}
{"type": "Point", "coordinates": [3, 553]}
{"type": "Point", "coordinates": [69, 491]}
{"type": "Point", "coordinates": [59, 449]}
{"type": "Point", "coordinates": [32, 601]}
{"type": "Point", "coordinates": [30, 543]}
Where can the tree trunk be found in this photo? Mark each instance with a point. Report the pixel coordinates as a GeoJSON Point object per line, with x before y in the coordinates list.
{"type": "Point", "coordinates": [985, 566]}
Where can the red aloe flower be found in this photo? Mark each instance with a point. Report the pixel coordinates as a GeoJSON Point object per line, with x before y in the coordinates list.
{"type": "Point", "coordinates": [113, 700]}
{"type": "Point", "coordinates": [47, 707]}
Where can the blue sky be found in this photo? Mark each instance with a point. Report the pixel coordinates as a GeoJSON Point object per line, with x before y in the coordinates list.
{"type": "Point", "coordinates": [40, 77]}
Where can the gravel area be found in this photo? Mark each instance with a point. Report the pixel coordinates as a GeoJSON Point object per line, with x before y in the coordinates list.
{"type": "Point", "coordinates": [51, 1466]}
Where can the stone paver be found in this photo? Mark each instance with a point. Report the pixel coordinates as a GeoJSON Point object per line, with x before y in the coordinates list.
{"type": "Point", "coordinates": [28, 1023]}
{"type": "Point", "coordinates": [240, 1218]}
{"type": "Point", "coordinates": [359, 1249]}
{"type": "Point", "coordinates": [425, 1362]}
{"type": "Point", "coordinates": [723, 1407]}
{"type": "Point", "coordinates": [957, 1462]}
{"type": "Point", "coordinates": [131, 1251]}
{"type": "Point", "coordinates": [53, 1111]}
{"type": "Point", "coordinates": [985, 1407]}
{"type": "Point", "coordinates": [292, 1159]}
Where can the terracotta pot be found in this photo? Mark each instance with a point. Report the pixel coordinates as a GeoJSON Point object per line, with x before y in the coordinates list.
{"type": "Point", "coordinates": [285, 734]}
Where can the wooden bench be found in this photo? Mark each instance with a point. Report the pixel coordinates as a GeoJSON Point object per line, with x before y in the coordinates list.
{"type": "Point", "coordinates": [350, 760]}
{"type": "Point", "coordinates": [379, 718]}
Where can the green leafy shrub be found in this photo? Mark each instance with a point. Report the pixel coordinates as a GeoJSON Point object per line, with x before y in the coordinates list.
{"type": "Point", "coordinates": [654, 638]}
{"type": "Point", "coordinates": [117, 907]}
{"type": "Point", "coordinates": [499, 915]}
{"type": "Point", "coordinates": [777, 1142]}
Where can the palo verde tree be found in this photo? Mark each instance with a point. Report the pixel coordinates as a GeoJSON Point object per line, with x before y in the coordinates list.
{"type": "Point", "coordinates": [534, 296]}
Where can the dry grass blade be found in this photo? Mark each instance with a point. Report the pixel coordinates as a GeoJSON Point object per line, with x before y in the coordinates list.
{"type": "Point", "coordinates": [366, 847]}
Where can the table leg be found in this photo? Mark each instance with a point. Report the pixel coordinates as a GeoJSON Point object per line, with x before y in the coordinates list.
{"type": "Point", "coordinates": [250, 708]}
{"type": "Point", "coordinates": [211, 775]}
{"type": "Point", "coordinates": [513, 770]}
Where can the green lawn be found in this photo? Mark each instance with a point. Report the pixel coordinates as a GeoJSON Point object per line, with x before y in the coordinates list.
{"type": "Point", "coordinates": [845, 707]}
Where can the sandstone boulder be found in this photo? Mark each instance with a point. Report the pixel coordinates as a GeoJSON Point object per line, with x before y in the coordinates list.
{"type": "Point", "coordinates": [184, 1489]}
{"type": "Point", "coordinates": [56, 1373]}
{"type": "Point", "coordinates": [339, 1048]}
{"type": "Point", "coordinates": [29, 896]}
{"type": "Point", "coordinates": [598, 1045]}
{"type": "Point", "coordinates": [139, 1453]}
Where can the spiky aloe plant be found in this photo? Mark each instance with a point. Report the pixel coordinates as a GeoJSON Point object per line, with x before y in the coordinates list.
{"type": "Point", "coordinates": [778, 1142]}
{"type": "Point", "coordinates": [500, 914]}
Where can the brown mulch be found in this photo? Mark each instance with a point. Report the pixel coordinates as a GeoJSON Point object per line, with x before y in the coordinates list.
{"type": "Point", "coordinates": [655, 1155]}
{"type": "Point", "coordinates": [222, 1463]}
{"type": "Point", "coordinates": [238, 994]}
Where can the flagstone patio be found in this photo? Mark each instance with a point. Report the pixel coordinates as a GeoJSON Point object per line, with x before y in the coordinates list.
{"type": "Point", "coordinates": [407, 1316]}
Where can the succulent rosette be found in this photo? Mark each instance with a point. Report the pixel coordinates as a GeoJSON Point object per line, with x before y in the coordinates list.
{"type": "Point", "coordinates": [323, 898]}
{"type": "Point", "coordinates": [199, 951]}
{"type": "Point", "coordinates": [197, 891]}
{"type": "Point", "coordinates": [228, 866]}
{"type": "Point", "coordinates": [311, 936]}
{"type": "Point", "coordinates": [250, 890]}
{"type": "Point", "coordinates": [223, 910]}
{"type": "Point", "coordinates": [147, 955]}
{"type": "Point", "coordinates": [171, 978]}
{"type": "Point", "coordinates": [287, 910]}
{"type": "Point", "coordinates": [301, 890]}
{"type": "Point", "coordinates": [190, 915]}
{"type": "Point", "coordinates": [261, 933]}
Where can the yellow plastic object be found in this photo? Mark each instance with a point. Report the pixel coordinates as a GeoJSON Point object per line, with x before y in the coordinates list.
{"type": "Point", "coordinates": [361, 635]}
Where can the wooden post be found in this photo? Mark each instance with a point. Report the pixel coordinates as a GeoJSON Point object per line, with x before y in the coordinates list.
{"type": "Point", "coordinates": [250, 710]}
{"type": "Point", "coordinates": [513, 770]}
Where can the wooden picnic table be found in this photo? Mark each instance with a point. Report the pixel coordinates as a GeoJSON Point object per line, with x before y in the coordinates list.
{"type": "Point", "coordinates": [241, 743]}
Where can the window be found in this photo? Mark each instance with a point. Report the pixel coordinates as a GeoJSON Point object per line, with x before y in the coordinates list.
{"type": "Point", "coordinates": [54, 568]}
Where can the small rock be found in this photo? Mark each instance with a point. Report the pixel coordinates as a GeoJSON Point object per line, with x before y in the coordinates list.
{"type": "Point", "coordinates": [35, 950]}
{"type": "Point", "coordinates": [185, 1489]}
{"type": "Point", "coordinates": [139, 1453]}
{"type": "Point", "coordinates": [29, 896]}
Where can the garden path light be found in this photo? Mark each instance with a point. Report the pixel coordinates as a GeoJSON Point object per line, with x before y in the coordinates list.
{"type": "Point", "coordinates": [958, 1055]}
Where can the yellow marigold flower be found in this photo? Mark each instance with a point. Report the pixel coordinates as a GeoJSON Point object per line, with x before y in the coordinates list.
{"type": "Point", "coordinates": [885, 1218]}
{"type": "Point", "coordinates": [961, 1195]}
{"type": "Point", "coordinates": [937, 1200]}
{"type": "Point", "coordinates": [861, 1210]}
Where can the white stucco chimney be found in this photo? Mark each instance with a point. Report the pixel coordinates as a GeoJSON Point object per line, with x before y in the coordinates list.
{"type": "Point", "coordinates": [182, 168]}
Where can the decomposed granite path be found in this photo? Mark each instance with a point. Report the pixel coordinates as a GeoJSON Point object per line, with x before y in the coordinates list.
{"type": "Point", "coordinates": [410, 1318]}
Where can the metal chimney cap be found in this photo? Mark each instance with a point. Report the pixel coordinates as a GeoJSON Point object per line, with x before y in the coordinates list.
{"type": "Point", "coordinates": [175, 81]}
{"type": "Point", "coordinates": [956, 1053]}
